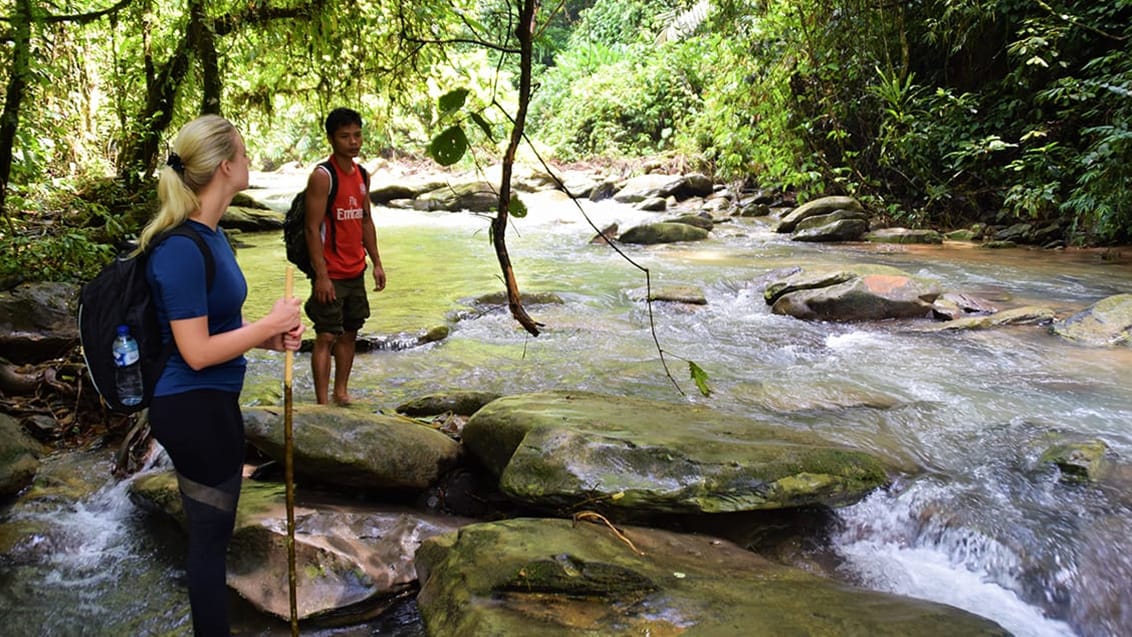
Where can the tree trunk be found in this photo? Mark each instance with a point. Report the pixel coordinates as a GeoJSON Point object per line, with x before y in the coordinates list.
{"type": "Point", "coordinates": [162, 86]}
{"type": "Point", "coordinates": [14, 96]}
{"type": "Point", "coordinates": [524, 31]}
{"type": "Point", "coordinates": [204, 43]}
{"type": "Point", "coordinates": [141, 157]}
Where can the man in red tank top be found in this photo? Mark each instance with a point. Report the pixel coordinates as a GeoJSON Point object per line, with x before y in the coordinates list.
{"type": "Point", "coordinates": [339, 236]}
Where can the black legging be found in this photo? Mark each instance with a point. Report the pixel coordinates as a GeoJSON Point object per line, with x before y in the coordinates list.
{"type": "Point", "coordinates": [203, 432]}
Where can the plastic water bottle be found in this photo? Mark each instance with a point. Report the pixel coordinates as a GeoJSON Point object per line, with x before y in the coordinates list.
{"type": "Point", "coordinates": [128, 373]}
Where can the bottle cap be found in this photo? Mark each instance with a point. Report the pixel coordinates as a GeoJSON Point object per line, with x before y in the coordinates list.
{"type": "Point", "coordinates": [123, 330]}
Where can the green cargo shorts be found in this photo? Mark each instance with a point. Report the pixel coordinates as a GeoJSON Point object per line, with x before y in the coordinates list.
{"type": "Point", "coordinates": [347, 313]}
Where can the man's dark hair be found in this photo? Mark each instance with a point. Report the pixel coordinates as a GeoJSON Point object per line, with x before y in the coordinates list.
{"type": "Point", "coordinates": [340, 117]}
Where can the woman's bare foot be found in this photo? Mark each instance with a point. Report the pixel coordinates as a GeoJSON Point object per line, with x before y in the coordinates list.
{"type": "Point", "coordinates": [342, 400]}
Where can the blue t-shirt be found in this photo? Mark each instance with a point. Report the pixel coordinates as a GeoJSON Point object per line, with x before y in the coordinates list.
{"type": "Point", "coordinates": [176, 275]}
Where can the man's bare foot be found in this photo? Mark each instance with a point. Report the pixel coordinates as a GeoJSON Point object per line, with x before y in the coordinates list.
{"type": "Point", "coordinates": [342, 401]}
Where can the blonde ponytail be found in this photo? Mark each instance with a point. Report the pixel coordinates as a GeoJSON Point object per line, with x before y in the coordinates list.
{"type": "Point", "coordinates": [197, 151]}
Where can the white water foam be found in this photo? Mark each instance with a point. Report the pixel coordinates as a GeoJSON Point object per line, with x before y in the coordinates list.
{"type": "Point", "coordinates": [884, 551]}
{"type": "Point", "coordinates": [926, 573]}
{"type": "Point", "coordinates": [858, 340]}
{"type": "Point", "coordinates": [91, 535]}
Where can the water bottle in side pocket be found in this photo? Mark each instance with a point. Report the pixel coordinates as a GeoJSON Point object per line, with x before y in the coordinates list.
{"type": "Point", "coordinates": [128, 374]}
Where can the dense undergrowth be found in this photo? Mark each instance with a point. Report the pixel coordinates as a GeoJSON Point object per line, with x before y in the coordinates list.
{"type": "Point", "coordinates": [936, 113]}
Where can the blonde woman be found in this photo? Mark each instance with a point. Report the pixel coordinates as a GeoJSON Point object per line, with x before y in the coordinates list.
{"type": "Point", "coordinates": [195, 412]}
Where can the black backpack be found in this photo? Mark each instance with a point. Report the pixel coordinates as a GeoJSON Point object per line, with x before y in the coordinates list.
{"type": "Point", "coordinates": [120, 295]}
{"type": "Point", "coordinates": [295, 221]}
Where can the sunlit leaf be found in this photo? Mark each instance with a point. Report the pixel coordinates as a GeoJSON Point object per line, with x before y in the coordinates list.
{"type": "Point", "coordinates": [452, 100]}
{"type": "Point", "coordinates": [517, 208]}
{"type": "Point", "coordinates": [483, 124]}
{"type": "Point", "coordinates": [700, 377]}
{"type": "Point", "coordinates": [448, 147]}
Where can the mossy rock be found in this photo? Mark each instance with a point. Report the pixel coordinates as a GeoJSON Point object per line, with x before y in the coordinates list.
{"type": "Point", "coordinates": [664, 232]}
{"type": "Point", "coordinates": [461, 403]}
{"type": "Point", "coordinates": [557, 578]}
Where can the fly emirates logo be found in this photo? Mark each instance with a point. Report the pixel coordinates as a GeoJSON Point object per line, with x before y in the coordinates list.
{"type": "Point", "coordinates": [353, 212]}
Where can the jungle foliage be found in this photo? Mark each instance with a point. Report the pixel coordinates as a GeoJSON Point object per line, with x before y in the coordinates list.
{"type": "Point", "coordinates": [939, 112]}
{"type": "Point", "coordinates": [96, 88]}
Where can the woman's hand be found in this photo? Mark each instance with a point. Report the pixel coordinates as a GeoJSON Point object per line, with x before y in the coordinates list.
{"type": "Point", "coordinates": [284, 318]}
{"type": "Point", "coordinates": [284, 315]}
{"type": "Point", "coordinates": [292, 339]}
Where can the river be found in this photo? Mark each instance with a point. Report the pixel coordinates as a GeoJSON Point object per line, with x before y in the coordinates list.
{"type": "Point", "coordinates": [984, 526]}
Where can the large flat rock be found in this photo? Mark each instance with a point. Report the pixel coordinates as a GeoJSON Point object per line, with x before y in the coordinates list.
{"type": "Point", "coordinates": [554, 578]}
{"type": "Point", "coordinates": [561, 449]}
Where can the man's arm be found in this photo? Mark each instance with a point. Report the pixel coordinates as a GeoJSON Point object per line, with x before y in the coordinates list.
{"type": "Point", "coordinates": [369, 241]}
{"type": "Point", "coordinates": [318, 189]}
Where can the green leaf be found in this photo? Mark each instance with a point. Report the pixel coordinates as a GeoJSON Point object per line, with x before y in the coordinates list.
{"type": "Point", "coordinates": [700, 377]}
{"type": "Point", "coordinates": [517, 208]}
{"type": "Point", "coordinates": [483, 124]}
{"type": "Point", "coordinates": [448, 147]}
{"type": "Point", "coordinates": [452, 100]}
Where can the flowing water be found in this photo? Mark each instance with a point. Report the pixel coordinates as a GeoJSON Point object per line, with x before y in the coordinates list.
{"type": "Point", "coordinates": [981, 524]}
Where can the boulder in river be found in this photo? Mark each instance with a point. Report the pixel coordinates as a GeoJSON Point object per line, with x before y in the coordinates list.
{"type": "Point", "coordinates": [642, 187]}
{"type": "Point", "coordinates": [19, 457]}
{"type": "Point", "coordinates": [1107, 322]}
{"type": "Point", "coordinates": [1078, 460]}
{"type": "Point", "coordinates": [355, 448]}
{"type": "Point", "coordinates": [563, 449]}
{"type": "Point", "coordinates": [473, 196]}
{"type": "Point", "coordinates": [859, 293]}
{"type": "Point", "coordinates": [252, 219]}
{"type": "Point", "coordinates": [1028, 315]}
{"type": "Point", "coordinates": [554, 577]}
{"type": "Point", "coordinates": [904, 236]}
{"type": "Point", "coordinates": [664, 232]}
{"type": "Point", "coordinates": [846, 229]}
{"type": "Point", "coordinates": [460, 402]}
{"type": "Point", "coordinates": [352, 560]}
{"type": "Point", "coordinates": [820, 206]}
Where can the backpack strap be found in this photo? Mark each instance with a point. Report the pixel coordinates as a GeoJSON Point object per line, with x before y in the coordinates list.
{"type": "Point", "coordinates": [184, 230]}
{"type": "Point", "coordinates": [331, 193]}
{"type": "Point", "coordinates": [329, 168]}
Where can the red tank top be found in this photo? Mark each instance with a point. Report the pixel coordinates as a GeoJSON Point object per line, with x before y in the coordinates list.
{"type": "Point", "coordinates": [346, 256]}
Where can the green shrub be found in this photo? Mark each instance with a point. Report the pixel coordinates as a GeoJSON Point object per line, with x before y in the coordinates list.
{"type": "Point", "coordinates": [938, 113]}
{"type": "Point", "coordinates": [67, 231]}
{"type": "Point", "coordinates": [71, 255]}
{"type": "Point", "coordinates": [615, 100]}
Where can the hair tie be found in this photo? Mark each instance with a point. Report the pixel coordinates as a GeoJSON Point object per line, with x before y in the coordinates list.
{"type": "Point", "coordinates": [175, 163]}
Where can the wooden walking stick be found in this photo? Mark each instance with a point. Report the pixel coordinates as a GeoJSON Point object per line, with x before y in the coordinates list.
{"type": "Point", "coordinates": [289, 472]}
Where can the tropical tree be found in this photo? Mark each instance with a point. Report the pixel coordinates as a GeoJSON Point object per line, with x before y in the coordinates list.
{"type": "Point", "coordinates": [26, 22]}
{"type": "Point", "coordinates": [168, 53]}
